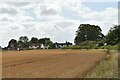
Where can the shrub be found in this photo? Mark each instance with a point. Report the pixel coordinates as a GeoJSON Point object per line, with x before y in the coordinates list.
{"type": "Point", "coordinates": [73, 47]}
{"type": "Point", "coordinates": [111, 47]}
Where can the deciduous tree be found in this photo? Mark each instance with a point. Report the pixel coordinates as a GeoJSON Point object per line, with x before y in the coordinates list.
{"type": "Point", "coordinates": [113, 36]}
{"type": "Point", "coordinates": [87, 32]}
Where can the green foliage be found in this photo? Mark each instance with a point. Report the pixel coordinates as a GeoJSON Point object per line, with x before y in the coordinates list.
{"type": "Point", "coordinates": [46, 41]}
{"type": "Point", "coordinates": [42, 41]}
{"type": "Point", "coordinates": [90, 36]}
{"type": "Point", "coordinates": [113, 36]}
{"type": "Point", "coordinates": [87, 32]}
{"type": "Point", "coordinates": [79, 47]}
{"type": "Point", "coordinates": [72, 47]}
{"type": "Point", "coordinates": [87, 37]}
{"type": "Point", "coordinates": [115, 47]}
{"type": "Point", "coordinates": [111, 47]}
{"type": "Point", "coordinates": [23, 42]}
{"type": "Point", "coordinates": [52, 46]}
{"type": "Point", "coordinates": [100, 42]}
{"type": "Point", "coordinates": [23, 39]}
{"type": "Point", "coordinates": [12, 44]}
{"type": "Point", "coordinates": [34, 40]}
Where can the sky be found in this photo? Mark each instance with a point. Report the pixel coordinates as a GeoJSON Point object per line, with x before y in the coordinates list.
{"type": "Point", "coordinates": [56, 19]}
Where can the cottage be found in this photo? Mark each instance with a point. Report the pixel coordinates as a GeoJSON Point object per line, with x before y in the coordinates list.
{"type": "Point", "coordinates": [45, 46]}
{"type": "Point", "coordinates": [38, 46]}
{"type": "Point", "coordinates": [34, 46]}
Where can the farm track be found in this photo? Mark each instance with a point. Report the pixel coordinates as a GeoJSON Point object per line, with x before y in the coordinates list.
{"type": "Point", "coordinates": [49, 63]}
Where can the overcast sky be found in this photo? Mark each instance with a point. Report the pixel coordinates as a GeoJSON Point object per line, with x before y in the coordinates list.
{"type": "Point", "coordinates": [56, 19]}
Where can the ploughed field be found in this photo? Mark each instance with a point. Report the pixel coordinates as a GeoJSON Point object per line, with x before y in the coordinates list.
{"type": "Point", "coordinates": [49, 63]}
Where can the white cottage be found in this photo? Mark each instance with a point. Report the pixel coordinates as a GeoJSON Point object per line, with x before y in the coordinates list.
{"type": "Point", "coordinates": [34, 46]}
{"type": "Point", "coordinates": [45, 46]}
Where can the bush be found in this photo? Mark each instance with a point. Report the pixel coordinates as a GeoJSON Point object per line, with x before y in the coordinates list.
{"type": "Point", "coordinates": [77, 47]}
{"type": "Point", "coordinates": [94, 47]}
{"type": "Point", "coordinates": [102, 47]}
{"type": "Point", "coordinates": [115, 47]}
{"type": "Point", "coordinates": [72, 47]}
{"type": "Point", "coordinates": [111, 47]}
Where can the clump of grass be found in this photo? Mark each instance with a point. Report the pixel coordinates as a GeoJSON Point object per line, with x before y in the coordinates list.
{"type": "Point", "coordinates": [106, 69]}
{"type": "Point", "coordinates": [108, 51]}
{"type": "Point", "coordinates": [119, 47]}
{"type": "Point", "coordinates": [108, 56]}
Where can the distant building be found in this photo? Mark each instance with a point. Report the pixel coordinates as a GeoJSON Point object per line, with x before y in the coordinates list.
{"type": "Point", "coordinates": [45, 46]}
{"type": "Point", "coordinates": [61, 45]}
{"type": "Point", "coordinates": [38, 46]}
{"type": "Point", "coordinates": [34, 46]}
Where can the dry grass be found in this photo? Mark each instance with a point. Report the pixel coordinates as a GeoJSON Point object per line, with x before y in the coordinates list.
{"type": "Point", "coordinates": [49, 63]}
{"type": "Point", "coordinates": [108, 68]}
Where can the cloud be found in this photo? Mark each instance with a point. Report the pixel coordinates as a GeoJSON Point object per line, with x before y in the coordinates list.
{"type": "Point", "coordinates": [6, 18]}
{"type": "Point", "coordinates": [107, 15]}
{"type": "Point", "coordinates": [48, 8]}
{"type": "Point", "coordinates": [23, 18]}
{"type": "Point", "coordinates": [5, 9]}
{"type": "Point", "coordinates": [19, 4]}
{"type": "Point", "coordinates": [48, 12]}
{"type": "Point", "coordinates": [76, 6]}
{"type": "Point", "coordinates": [58, 19]}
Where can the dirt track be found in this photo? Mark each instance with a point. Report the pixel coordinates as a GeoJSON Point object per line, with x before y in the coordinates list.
{"type": "Point", "coordinates": [49, 63]}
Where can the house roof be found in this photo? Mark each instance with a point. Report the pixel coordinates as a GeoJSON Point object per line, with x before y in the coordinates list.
{"type": "Point", "coordinates": [64, 43]}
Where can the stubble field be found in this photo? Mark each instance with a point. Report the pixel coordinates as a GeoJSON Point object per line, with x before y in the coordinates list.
{"type": "Point", "coordinates": [49, 63]}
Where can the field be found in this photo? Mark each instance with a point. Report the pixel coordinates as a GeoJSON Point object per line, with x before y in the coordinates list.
{"type": "Point", "coordinates": [49, 63]}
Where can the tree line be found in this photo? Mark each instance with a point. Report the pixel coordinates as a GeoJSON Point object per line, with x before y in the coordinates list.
{"type": "Point", "coordinates": [86, 35]}
{"type": "Point", "coordinates": [92, 34]}
{"type": "Point", "coordinates": [23, 42]}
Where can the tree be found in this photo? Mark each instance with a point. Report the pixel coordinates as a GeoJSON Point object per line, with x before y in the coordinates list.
{"type": "Point", "coordinates": [24, 39]}
{"type": "Point", "coordinates": [12, 44]}
{"type": "Point", "coordinates": [113, 36]}
{"type": "Point", "coordinates": [42, 41]}
{"type": "Point", "coordinates": [87, 32]}
{"type": "Point", "coordinates": [34, 40]}
{"type": "Point", "coordinates": [21, 45]}
{"type": "Point", "coordinates": [23, 42]}
{"type": "Point", "coordinates": [46, 41]}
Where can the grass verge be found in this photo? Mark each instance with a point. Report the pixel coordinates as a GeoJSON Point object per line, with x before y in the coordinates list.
{"type": "Point", "coordinates": [108, 68]}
